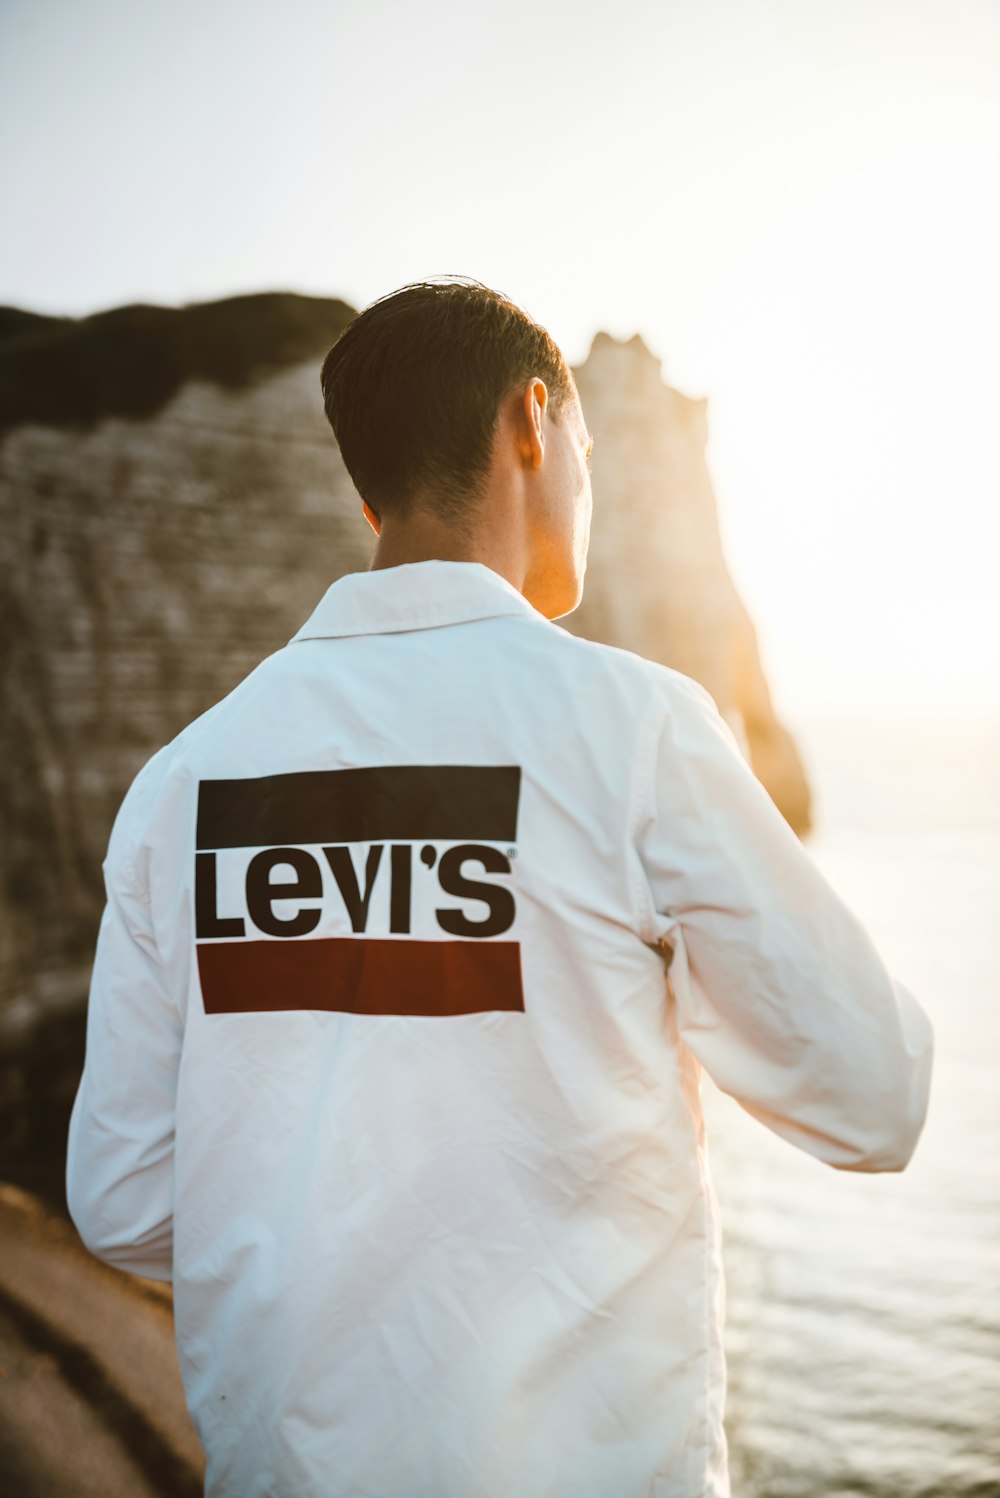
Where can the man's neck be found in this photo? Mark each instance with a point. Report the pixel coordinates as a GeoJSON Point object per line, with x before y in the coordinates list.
{"type": "Point", "coordinates": [428, 540]}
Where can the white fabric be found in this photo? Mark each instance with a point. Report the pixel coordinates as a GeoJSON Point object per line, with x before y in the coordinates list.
{"type": "Point", "coordinates": [475, 1255]}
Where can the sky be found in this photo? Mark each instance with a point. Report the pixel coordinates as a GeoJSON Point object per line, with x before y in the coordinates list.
{"type": "Point", "coordinates": [795, 202]}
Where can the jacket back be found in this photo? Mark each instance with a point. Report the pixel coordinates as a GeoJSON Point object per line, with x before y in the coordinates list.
{"type": "Point", "coordinates": [415, 947]}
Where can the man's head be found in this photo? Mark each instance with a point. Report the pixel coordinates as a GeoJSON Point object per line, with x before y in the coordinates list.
{"type": "Point", "coordinates": [459, 422]}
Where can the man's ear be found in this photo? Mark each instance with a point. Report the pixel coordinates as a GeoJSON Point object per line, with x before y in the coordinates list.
{"type": "Point", "coordinates": [534, 399]}
{"type": "Point", "coordinates": [372, 518]}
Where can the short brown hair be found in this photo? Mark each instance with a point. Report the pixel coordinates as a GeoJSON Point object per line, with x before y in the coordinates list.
{"type": "Point", "coordinates": [414, 385]}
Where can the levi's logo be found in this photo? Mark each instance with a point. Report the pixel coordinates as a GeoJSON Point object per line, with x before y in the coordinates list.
{"type": "Point", "coordinates": [337, 869]}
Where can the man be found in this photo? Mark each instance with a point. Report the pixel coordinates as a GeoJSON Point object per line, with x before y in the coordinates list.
{"type": "Point", "coordinates": [414, 949]}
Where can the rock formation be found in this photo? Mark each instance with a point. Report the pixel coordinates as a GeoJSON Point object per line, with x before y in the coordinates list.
{"type": "Point", "coordinates": [173, 505]}
{"type": "Point", "coordinates": [657, 581]}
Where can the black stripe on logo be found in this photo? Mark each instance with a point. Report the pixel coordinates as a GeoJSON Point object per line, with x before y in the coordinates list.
{"type": "Point", "coordinates": [473, 803]}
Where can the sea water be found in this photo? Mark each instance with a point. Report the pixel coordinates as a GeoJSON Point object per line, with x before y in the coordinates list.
{"type": "Point", "coordinates": [863, 1310]}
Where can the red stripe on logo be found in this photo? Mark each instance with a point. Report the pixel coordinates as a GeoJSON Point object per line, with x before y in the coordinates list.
{"type": "Point", "coordinates": [359, 975]}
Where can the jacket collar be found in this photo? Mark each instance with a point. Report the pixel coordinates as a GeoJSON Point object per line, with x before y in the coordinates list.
{"type": "Point", "coordinates": [413, 595]}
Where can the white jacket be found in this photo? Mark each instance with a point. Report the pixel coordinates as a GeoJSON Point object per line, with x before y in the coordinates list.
{"type": "Point", "coordinates": [395, 1088]}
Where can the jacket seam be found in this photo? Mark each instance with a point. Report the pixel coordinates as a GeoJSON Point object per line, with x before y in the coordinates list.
{"type": "Point", "coordinates": [712, 1348]}
{"type": "Point", "coordinates": [641, 788]}
{"type": "Point", "coordinates": [654, 728]}
{"type": "Point", "coordinates": [129, 880]}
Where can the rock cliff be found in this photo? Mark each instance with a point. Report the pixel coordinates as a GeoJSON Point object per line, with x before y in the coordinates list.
{"type": "Point", "coordinates": [172, 506]}
{"type": "Point", "coordinates": [657, 581]}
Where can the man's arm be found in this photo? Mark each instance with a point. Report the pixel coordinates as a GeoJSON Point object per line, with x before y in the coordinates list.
{"type": "Point", "coordinates": [120, 1153]}
{"type": "Point", "coordinates": [779, 990]}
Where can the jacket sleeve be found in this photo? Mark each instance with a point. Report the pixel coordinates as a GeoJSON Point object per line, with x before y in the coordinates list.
{"type": "Point", "coordinates": [778, 989]}
{"type": "Point", "coordinates": [120, 1148]}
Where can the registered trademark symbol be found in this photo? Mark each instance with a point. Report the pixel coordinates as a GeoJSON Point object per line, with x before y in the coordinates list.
{"type": "Point", "coordinates": [511, 852]}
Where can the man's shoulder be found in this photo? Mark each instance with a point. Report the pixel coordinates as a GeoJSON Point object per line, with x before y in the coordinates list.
{"type": "Point", "coordinates": [666, 683]}
{"type": "Point", "coordinates": [166, 767]}
{"type": "Point", "coordinates": [622, 684]}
